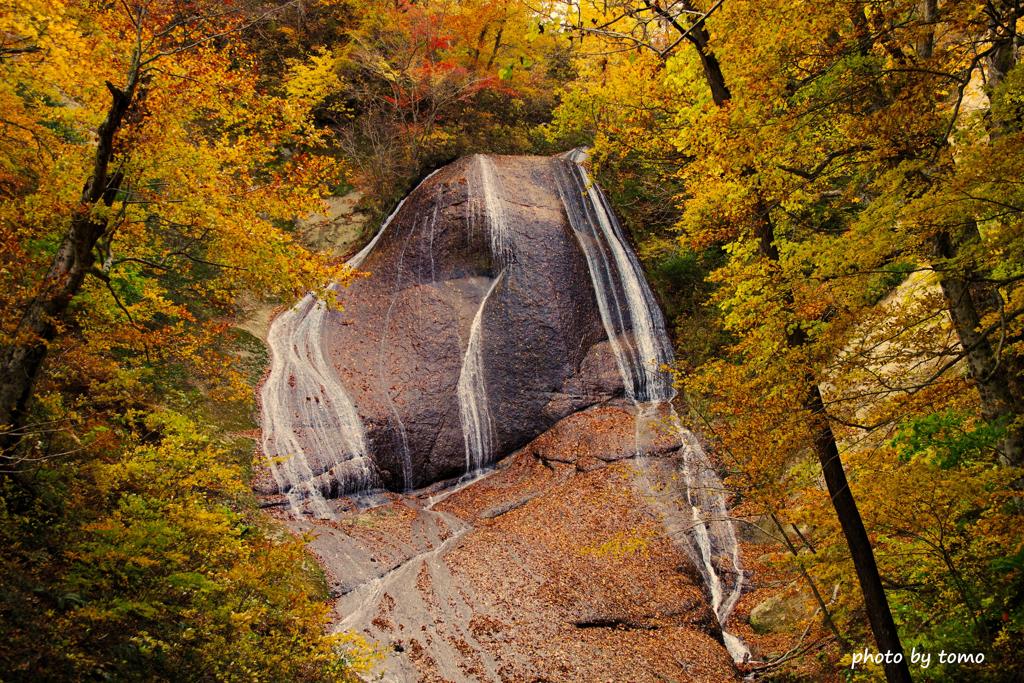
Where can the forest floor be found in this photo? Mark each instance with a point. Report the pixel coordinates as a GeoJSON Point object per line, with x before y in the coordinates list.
{"type": "Point", "coordinates": [541, 570]}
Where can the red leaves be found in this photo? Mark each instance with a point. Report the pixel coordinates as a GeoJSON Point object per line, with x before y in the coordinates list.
{"type": "Point", "coordinates": [441, 43]}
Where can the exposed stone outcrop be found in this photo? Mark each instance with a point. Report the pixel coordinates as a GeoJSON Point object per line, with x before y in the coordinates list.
{"type": "Point", "coordinates": [780, 612]}
{"type": "Point", "coordinates": [400, 343]}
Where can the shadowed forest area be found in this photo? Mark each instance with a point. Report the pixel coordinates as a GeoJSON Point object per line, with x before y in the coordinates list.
{"type": "Point", "coordinates": [827, 199]}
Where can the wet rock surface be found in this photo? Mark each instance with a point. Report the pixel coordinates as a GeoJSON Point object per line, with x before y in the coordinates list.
{"type": "Point", "coordinates": [501, 371]}
{"type": "Point", "coordinates": [399, 344]}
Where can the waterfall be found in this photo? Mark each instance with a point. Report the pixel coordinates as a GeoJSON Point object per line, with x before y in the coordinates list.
{"type": "Point", "coordinates": [303, 394]}
{"type": "Point", "coordinates": [624, 299]}
{"type": "Point", "coordinates": [494, 209]}
{"type": "Point", "coordinates": [474, 405]}
{"type": "Point", "coordinates": [636, 332]}
{"type": "Point", "coordinates": [711, 522]}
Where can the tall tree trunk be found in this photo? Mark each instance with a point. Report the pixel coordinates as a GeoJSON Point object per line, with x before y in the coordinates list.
{"type": "Point", "coordinates": [887, 638]}
{"type": "Point", "coordinates": [1001, 398]}
{"type": "Point", "coordinates": [1002, 22]}
{"type": "Point", "coordinates": [22, 358]}
{"type": "Point", "coordinates": [992, 375]}
{"type": "Point", "coordinates": [883, 627]}
{"type": "Point", "coordinates": [698, 35]}
{"type": "Point", "coordinates": [497, 43]}
{"type": "Point", "coordinates": [699, 38]}
{"type": "Point", "coordinates": [712, 69]}
{"type": "Point", "coordinates": [926, 40]}
{"type": "Point", "coordinates": [826, 448]}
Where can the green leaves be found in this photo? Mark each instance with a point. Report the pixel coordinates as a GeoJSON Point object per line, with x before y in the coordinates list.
{"type": "Point", "coordinates": [950, 438]}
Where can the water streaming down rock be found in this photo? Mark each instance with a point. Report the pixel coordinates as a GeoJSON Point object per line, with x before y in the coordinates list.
{"type": "Point", "coordinates": [502, 238]}
{"type": "Point", "coordinates": [400, 345]}
{"type": "Point", "coordinates": [306, 413]}
{"type": "Point", "coordinates": [630, 315]}
{"type": "Point", "coordinates": [355, 262]}
{"type": "Point", "coordinates": [467, 344]}
{"type": "Point", "coordinates": [306, 410]}
{"type": "Point", "coordinates": [382, 375]}
{"type": "Point", "coordinates": [636, 330]}
{"type": "Point", "coordinates": [713, 529]}
{"type": "Point", "coordinates": [474, 403]}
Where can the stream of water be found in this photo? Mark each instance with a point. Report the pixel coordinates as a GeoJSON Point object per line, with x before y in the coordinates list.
{"type": "Point", "coordinates": [303, 395]}
{"type": "Point", "coordinates": [485, 196]}
{"type": "Point", "coordinates": [636, 331]}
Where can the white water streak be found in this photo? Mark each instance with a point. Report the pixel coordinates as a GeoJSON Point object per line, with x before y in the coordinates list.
{"type": "Point", "coordinates": [474, 406]}
{"type": "Point", "coordinates": [302, 395]}
{"type": "Point", "coordinates": [640, 359]}
{"type": "Point", "coordinates": [624, 300]}
{"type": "Point", "coordinates": [502, 246]}
{"type": "Point", "coordinates": [403, 435]}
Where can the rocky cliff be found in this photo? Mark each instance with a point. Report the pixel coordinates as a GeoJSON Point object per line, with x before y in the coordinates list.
{"type": "Point", "coordinates": [478, 329]}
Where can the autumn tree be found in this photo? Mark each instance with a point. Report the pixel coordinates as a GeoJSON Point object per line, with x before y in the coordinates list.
{"type": "Point", "coordinates": [426, 82]}
{"type": "Point", "coordinates": [150, 174]}
{"type": "Point", "coordinates": [162, 158]}
{"type": "Point", "coordinates": [821, 149]}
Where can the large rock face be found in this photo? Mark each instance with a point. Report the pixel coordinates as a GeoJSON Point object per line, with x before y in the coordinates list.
{"type": "Point", "coordinates": [477, 330]}
{"type": "Point", "coordinates": [504, 307]}
{"type": "Point", "coordinates": [481, 227]}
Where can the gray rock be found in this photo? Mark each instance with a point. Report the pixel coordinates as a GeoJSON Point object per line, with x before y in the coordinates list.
{"type": "Point", "coordinates": [399, 342]}
{"type": "Point", "coordinates": [781, 612]}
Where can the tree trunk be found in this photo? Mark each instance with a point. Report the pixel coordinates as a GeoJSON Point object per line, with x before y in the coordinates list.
{"type": "Point", "coordinates": [497, 44]}
{"type": "Point", "coordinates": [887, 638]}
{"type": "Point", "coordinates": [20, 361]}
{"type": "Point", "coordinates": [991, 374]}
{"type": "Point", "coordinates": [826, 448]}
{"type": "Point", "coordinates": [926, 41]}
{"type": "Point", "coordinates": [22, 358]}
{"type": "Point", "coordinates": [883, 627]}
{"type": "Point", "coordinates": [699, 37]}
{"type": "Point", "coordinates": [712, 70]}
{"type": "Point", "coordinates": [1003, 15]}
